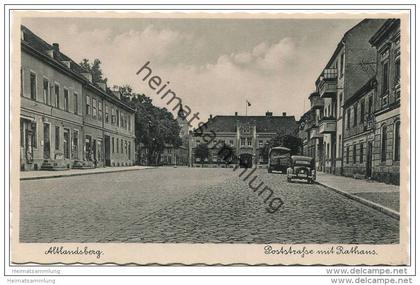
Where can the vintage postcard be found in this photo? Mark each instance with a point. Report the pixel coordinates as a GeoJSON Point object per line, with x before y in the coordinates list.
{"type": "Point", "coordinates": [207, 138]}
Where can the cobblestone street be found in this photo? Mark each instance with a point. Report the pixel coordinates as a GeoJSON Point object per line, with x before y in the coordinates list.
{"type": "Point", "coordinates": [193, 205]}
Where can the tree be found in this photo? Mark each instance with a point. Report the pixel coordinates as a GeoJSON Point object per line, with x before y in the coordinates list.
{"type": "Point", "coordinates": [226, 154]}
{"type": "Point", "coordinates": [289, 141]}
{"type": "Point", "coordinates": [154, 127]}
{"type": "Point", "coordinates": [94, 69]}
{"type": "Point", "coordinates": [202, 152]}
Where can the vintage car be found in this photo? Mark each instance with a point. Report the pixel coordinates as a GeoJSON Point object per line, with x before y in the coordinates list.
{"type": "Point", "coordinates": [278, 159]}
{"type": "Point", "coordinates": [302, 167]}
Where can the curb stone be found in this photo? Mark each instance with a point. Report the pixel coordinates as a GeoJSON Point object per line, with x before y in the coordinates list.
{"type": "Point", "coordinates": [80, 174]}
{"type": "Point", "coordinates": [387, 211]}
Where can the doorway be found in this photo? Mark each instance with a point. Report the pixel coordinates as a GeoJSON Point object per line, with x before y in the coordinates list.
{"type": "Point", "coordinates": [47, 147]}
{"type": "Point", "coordinates": [369, 161]}
{"type": "Point", "coordinates": [107, 151]}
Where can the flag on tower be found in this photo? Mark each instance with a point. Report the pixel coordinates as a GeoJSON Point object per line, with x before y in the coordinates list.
{"type": "Point", "coordinates": [249, 104]}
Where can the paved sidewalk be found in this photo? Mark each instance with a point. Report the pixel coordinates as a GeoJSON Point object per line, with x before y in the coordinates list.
{"type": "Point", "coordinates": [41, 174]}
{"type": "Point", "coordinates": [381, 196]}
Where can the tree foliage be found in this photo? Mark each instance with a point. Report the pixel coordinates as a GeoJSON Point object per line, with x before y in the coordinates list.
{"type": "Point", "coordinates": [94, 68]}
{"type": "Point", "coordinates": [154, 127]}
{"type": "Point", "coordinates": [289, 141]}
{"type": "Point", "coordinates": [202, 151]}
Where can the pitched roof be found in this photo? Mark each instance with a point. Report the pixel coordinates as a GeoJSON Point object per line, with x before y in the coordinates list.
{"type": "Point", "coordinates": [268, 124]}
{"type": "Point", "coordinates": [33, 42]}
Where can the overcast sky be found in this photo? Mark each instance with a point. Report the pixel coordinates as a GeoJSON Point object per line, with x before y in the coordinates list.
{"type": "Point", "coordinates": [214, 65]}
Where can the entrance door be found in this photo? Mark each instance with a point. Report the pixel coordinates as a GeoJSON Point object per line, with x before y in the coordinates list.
{"type": "Point", "coordinates": [94, 152]}
{"type": "Point", "coordinates": [369, 161]}
{"type": "Point", "coordinates": [107, 151]}
{"type": "Point", "coordinates": [47, 147]}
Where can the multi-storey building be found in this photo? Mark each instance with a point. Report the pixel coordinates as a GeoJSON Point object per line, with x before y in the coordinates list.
{"type": "Point", "coordinates": [387, 143]}
{"type": "Point", "coordinates": [350, 67]}
{"type": "Point", "coordinates": [312, 140]}
{"type": "Point", "coordinates": [358, 131]}
{"type": "Point", "coordinates": [247, 135]}
{"type": "Point", "coordinates": [62, 118]}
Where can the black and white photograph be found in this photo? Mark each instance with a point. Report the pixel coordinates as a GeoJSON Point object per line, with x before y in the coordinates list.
{"type": "Point", "coordinates": [284, 134]}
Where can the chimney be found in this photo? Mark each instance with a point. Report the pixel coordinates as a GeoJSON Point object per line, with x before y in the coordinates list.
{"type": "Point", "coordinates": [56, 46]}
{"type": "Point", "coordinates": [102, 85]}
{"type": "Point", "coordinates": [88, 76]}
{"type": "Point", "coordinates": [284, 114]}
{"type": "Point", "coordinates": [268, 114]}
{"type": "Point", "coordinates": [236, 113]}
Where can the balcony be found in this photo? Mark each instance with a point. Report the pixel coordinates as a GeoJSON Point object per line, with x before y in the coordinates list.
{"type": "Point", "coordinates": [328, 83]}
{"type": "Point", "coordinates": [328, 125]}
{"type": "Point", "coordinates": [314, 133]}
{"type": "Point", "coordinates": [316, 101]}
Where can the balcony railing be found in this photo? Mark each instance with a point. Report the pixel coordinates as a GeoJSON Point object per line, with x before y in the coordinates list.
{"type": "Point", "coordinates": [328, 83]}
{"type": "Point", "coordinates": [328, 125]}
{"type": "Point", "coordinates": [317, 102]}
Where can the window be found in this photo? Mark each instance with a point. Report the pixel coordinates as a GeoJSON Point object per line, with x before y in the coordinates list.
{"type": "Point", "coordinates": [122, 146]}
{"type": "Point", "coordinates": [106, 114]}
{"type": "Point", "coordinates": [118, 118]}
{"type": "Point", "coordinates": [94, 111]}
{"type": "Point", "coordinates": [75, 145]}
{"type": "Point", "coordinates": [57, 138]}
{"type": "Point", "coordinates": [22, 78]}
{"type": "Point", "coordinates": [33, 85]}
{"type": "Point", "coordinates": [397, 141]}
{"type": "Point", "coordinates": [118, 145]}
{"type": "Point", "coordinates": [362, 111]}
{"type": "Point", "coordinates": [242, 141]}
{"type": "Point", "coordinates": [87, 105]}
{"type": "Point", "coordinates": [354, 154]}
{"type": "Point", "coordinates": [348, 119]}
{"type": "Point", "coordinates": [340, 103]}
{"type": "Point", "coordinates": [231, 142]}
{"type": "Point", "coordinates": [342, 65]}
{"type": "Point", "coordinates": [112, 115]}
{"type": "Point", "coordinates": [45, 93]}
{"type": "Point", "coordinates": [66, 100]}
{"type": "Point", "coordinates": [328, 150]}
{"type": "Point", "coordinates": [361, 153]}
{"type": "Point", "coordinates": [66, 143]}
{"type": "Point", "coordinates": [347, 155]}
{"type": "Point", "coordinates": [355, 115]}
{"type": "Point", "coordinates": [260, 143]}
{"type": "Point", "coordinates": [113, 146]}
{"type": "Point", "coordinates": [385, 77]}
{"type": "Point", "coordinates": [383, 144]}
{"type": "Point", "coordinates": [339, 146]}
{"type": "Point", "coordinates": [370, 105]}
{"type": "Point", "coordinates": [249, 140]}
{"type": "Point", "coordinates": [57, 95]}
{"type": "Point", "coordinates": [100, 110]}
{"type": "Point", "coordinates": [129, 123]}
{"type": "Point", "coordinates": [76, 103]}
{"type": "Point", "coordinates": [129, 150]}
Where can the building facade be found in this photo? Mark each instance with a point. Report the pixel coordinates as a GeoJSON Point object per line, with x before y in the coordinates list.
{"type": "Point", "coordinates": [387, 141]}
{"type": "Point", "coordinates": [247, 135]}
{"type": "Point", "coordinates": [358, 132]}
{"type": "Point", "coordinates": [56, 132]}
